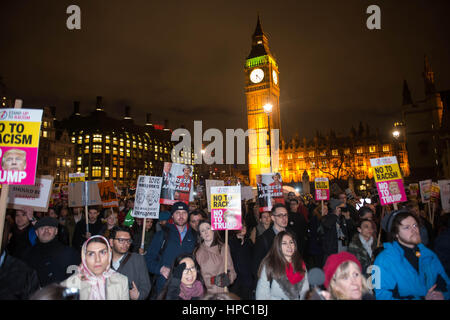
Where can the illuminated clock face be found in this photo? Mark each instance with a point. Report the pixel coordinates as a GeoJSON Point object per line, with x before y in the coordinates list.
{"type": "Point", "coordinates": [257, 75]}
{"type": "Point", "coordinates": [275, 77]}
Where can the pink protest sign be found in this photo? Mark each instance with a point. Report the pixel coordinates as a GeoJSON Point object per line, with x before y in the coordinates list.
{"type": "Point", "coordinates": [322, 189]}
{"type": "Point", "coordinates": [389, 180]}
{"type": "Point", "coordinates": [226, 211]}
{"type": "Point", "coordinates": [19, 142]}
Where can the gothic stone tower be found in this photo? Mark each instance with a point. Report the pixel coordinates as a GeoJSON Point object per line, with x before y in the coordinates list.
{"type": "Point", "coordinates": [261, 87]}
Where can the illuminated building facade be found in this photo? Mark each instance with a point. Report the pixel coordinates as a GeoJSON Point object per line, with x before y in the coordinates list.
{"type": "Point", "coordinates": [323, 156]}
{"type": "Point", "coordinates": [340, 157]}
{"type": "Point", "coordinates": [119, 150]}
{"type": "Point", "coordinates": [56, 152]}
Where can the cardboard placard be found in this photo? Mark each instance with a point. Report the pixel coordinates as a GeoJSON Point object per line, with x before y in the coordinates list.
{"type": "Point", "coordinates": [76, 177]}
{"type": "Point", "coordinates": [388, 178]}
{"type": "Point", "coordinates": [36, 196]}
{"type": "Point", "coordinates": [148, 193]}
{"type": "Point", "coordinates": [322, 189]}
{"type": "Point", "coordinates": [425, 190]}
{"type": "Point", "coordinates": [19, 143]}
{"type": "Point", "coordinates": [226, 211]}
{"type": "Point", "coordinates": [108, 194]}
{"type": "Point", "coordinates": [77, 194]}
{"type": "Point", "coordinates": [444, 187]}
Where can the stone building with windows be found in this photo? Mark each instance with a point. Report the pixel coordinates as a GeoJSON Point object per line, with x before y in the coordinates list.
{"type": "Point", "coordinates": [341, 157]}
{"type": "Point", "coordinates": [119, 150]}
{"type": "Point", "coordinates": [56, 152]}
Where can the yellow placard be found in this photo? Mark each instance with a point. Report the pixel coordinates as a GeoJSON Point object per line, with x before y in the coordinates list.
{"type": "Point", "coordinates": [19, 134]}
{"type": "Point", "coordinates": [387, 172]}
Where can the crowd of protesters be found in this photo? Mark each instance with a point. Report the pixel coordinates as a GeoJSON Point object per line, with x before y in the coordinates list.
{"type": "Point", "coordinates": [60, 255]}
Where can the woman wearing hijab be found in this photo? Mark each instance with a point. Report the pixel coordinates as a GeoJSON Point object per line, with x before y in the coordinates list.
{"type": "Point", "coordinates": [95, 279]}
{"type": "Point", "coordinates": [282, 274]}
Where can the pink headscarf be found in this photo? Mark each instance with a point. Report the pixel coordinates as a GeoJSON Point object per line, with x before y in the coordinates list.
{"type": "Point", "coordinates": [98, 283]}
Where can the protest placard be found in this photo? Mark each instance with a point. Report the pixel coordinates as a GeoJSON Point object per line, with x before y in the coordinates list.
{"type": "Point", "coordinates": [434, 192]}
{"type": "Point", "coordinates": [108, 194]}
{"type": "Point", "coordinates": [36, 196]}
{"type": "Point", "coordinates": [322, 189]}
{"type": "Point", "coordinates": [247, 193]}
{"type": "Point", "coordinates": [226, 208]}
{"type": "Point", "coordinates": [270, 190]}
{"type": "Point", "coordinates": [19, 143]}
{"type": "Point", "coordinates": [388, 178]}
{"type": "Point", "coordinates": [444, 187]}
{"type": "Point", "coordinates": [209, 184]}
{"type": "Point", "coordinates": [425, 190]}
{"type": "Point", "coordinates": [414, 189]}
{"type": "Point", "coordinates": [77, 194]}
{"type": "Point", "coordinates": [76, 177]}
{"type": "Point", "coordinates": [148, 192]}
{"type": "Point", "coordinates": [177, 184]}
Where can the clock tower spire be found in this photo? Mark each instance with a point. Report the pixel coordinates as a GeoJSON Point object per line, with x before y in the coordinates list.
{"type": "Point", "coordinates": [261, 88]}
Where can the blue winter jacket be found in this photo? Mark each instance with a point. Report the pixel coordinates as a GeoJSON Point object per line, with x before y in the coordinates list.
{"type": "Point", "coordinates": [399, 279]}
{"type": "Point", "coordinates": [174, 248]}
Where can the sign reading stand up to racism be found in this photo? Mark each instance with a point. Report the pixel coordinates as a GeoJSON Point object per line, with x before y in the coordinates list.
{"type": "Point", "coordinates": [388, 178]}
{"type": "Point", "coordinates": [19, 143]}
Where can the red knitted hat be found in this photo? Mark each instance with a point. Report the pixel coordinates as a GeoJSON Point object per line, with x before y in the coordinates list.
{"type": "Point", "coordinates": [334, 261]}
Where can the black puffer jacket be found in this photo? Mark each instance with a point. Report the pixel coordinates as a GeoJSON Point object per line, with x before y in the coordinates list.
{"type": "Point", "coordinates": [17, 280]}
{"type": "Point", "coordinates": [329, 237]}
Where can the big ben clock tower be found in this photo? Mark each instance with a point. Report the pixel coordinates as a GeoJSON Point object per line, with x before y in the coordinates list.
{"type": "Point", "coordinates": [261, 87]}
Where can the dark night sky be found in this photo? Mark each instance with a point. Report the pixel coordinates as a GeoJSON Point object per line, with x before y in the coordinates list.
{"type": "Point", "coordinates": [183, 60]}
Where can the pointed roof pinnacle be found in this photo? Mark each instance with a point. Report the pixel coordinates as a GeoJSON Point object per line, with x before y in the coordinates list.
{"type": "Point", "coordinates": [258, 29]}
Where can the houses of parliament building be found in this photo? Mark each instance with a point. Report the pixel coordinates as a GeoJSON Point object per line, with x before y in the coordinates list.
{"type": "Point", "coordinates": [329, 155]}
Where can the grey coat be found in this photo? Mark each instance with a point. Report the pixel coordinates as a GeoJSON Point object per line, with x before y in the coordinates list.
{"type": "Point", "coordinates": [280, 289]}
{"type": "Point", "coordinates": [136, 270]}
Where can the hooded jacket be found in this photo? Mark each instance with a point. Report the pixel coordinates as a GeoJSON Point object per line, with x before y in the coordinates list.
{"type": "Point", "coordinates": [173, 248]}
{"type": "Point", "coordinates": [399, 280]}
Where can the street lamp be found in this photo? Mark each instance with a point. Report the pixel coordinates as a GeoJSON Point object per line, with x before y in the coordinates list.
{"type": "Point", "coordinates": [268, 110]}
{"type": "Point", "coordinates": [396, 134]}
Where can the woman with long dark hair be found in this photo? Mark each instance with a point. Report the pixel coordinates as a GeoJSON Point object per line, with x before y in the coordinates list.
{"type": "Point", "coordinates": [282, 273]}
{"type": "Point", "coordinates": [210, 254]}
{"type": "Point", "coordinates": [185, 281]}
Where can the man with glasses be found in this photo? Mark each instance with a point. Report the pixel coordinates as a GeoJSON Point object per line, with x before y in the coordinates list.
{"type": "Point", "coordinates": [279, 216]}
{"type": "Point", "coordinates": [130, 264]}
{"type": "Point", "coordinates": [407, 269]}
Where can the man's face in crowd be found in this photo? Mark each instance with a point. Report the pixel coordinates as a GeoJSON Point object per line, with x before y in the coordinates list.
{"type": "Point", "coordinates": [121, 243]}
{"type": "Point", "coordinates": [21, 219]}
{"type": "Point", "coordinates": [93, 215]}
{"type": "Point", "coordinates": [167, 166]}
{"type": "Point", "coordinates": [408, 232]}
{"type": "Point", "coordinates": [14, 161]}
{"type": "Point", "coordinates": [280, 217]}
{"type": "Point", "coordinates": [343, 198]}
{"type": "Point", "coordinates": [52, 213]}
{"type": "Point", "coordinates": [180, 217]}
{"type": "Point", "coordinates": [291, 195]}
{"type": "Point", "coordinates": [46, 234]}
{"type": "Point", "coordinates": [194, 221]}
{"type": "Point", "coordinates": [265, 218]}
{"type": "Point", "coordinates": [293, 206]}
{"type": "Point", "coordinates": [258, 179]}
{"type": "Point", "coordinates": [148, 224]}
